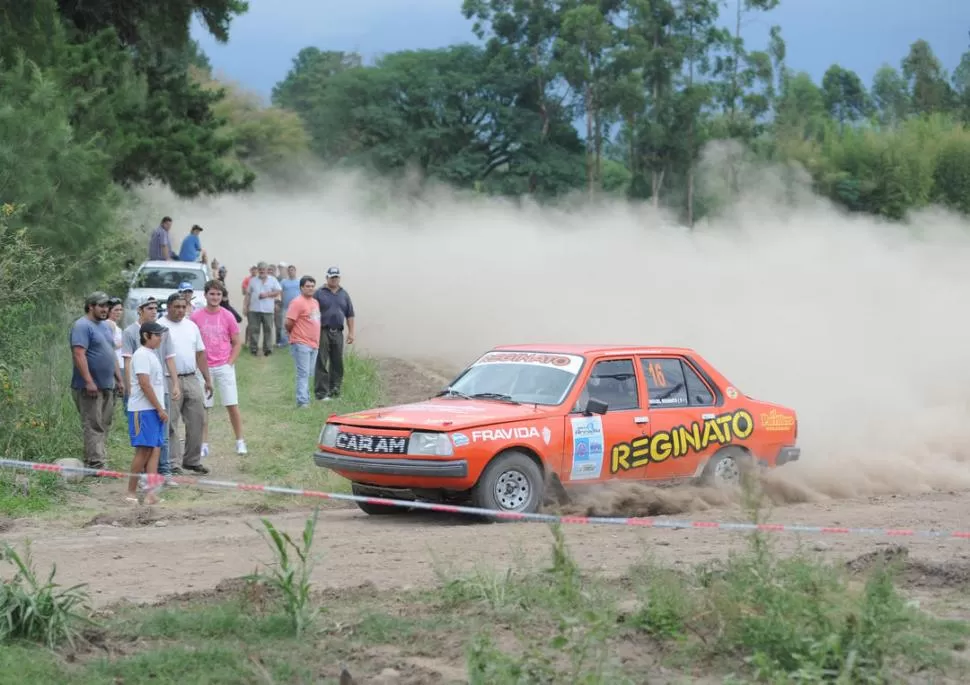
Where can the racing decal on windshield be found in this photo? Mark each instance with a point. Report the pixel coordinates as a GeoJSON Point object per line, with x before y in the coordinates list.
{"type": "Point", "coordinates": [371, 444]}
{"type": "Point", "coordinates": [587, 447]}
{"type": "Point", "coordinates": [681, 441]}
{"type": "Point", "coordinates": [566, 362]}
{"type": "Point", "coordinates": [775, 421]}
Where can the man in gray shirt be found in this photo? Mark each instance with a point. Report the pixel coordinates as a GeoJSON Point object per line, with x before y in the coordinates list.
{"type": "Point", "coordinates": [94, 378]}
{"type": "Point", "coordinates": [261, 307]}
{"type": "Point", "coordinates": [130, 340]}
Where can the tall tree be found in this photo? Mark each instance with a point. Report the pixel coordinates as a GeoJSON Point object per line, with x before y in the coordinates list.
{"type": "Point", "coordinates": [845, 96]}
{"type": "Point", "coordinates": [891, 96]}
{"type": "Point", "coordinates": [928, 87]}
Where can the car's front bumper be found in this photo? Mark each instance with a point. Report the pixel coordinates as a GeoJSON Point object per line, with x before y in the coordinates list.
{"type": "Point", "coordinates": [413, 468]}
{"type": "Point", "coordinates": [787, 455]}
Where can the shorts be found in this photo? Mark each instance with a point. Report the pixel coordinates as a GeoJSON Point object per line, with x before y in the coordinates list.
{"type": "Point", "coordinates": [145, 428]}
{"type": "Point", "coordinates": [224, 381]}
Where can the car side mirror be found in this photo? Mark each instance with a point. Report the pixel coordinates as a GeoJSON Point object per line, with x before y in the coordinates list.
{"type": "Point", "coordinates": [594, 406]}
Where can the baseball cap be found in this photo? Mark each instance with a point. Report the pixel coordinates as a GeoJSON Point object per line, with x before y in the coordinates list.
{"type": "Point", "coordinates": [97, 297]}
{"type": "Point", "coordinates": [146, 301]}
{"type": "Point", "coordinates": [196, 227]}
{"type": "Point", "coordinates": [333, 272]}
{"type": "Point", "coordinates": [185, 285]}
{"type": "Point", "coordinates": [152, 327]}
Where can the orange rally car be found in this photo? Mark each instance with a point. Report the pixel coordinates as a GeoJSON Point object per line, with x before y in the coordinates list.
{"type": "Point", "coordinates": [524, 419]}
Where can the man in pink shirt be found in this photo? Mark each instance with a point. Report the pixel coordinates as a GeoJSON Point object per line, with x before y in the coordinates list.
{"type": "Point", "coordinates": [303, 329]}
{"type": "Point", "coordinates": [220, 333]}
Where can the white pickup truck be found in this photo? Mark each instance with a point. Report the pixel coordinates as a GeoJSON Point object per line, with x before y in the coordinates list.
{"type": "Point", "coordinates": [159, 279]}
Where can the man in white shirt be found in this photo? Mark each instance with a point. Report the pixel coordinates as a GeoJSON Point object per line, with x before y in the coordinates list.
{"type": "Point", "coordinates": [261, 308]}
{"type": "Point", "coordinates": [146, 411]}
{"type": "Point", "coordinates": [190, 361]}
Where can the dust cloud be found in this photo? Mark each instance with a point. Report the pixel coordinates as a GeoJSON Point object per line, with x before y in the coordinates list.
{"type": "Point", "coordinates": [860, 325]}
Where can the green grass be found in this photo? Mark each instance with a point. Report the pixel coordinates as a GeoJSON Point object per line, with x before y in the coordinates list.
{"type": "Point", "coordinates": [282, 439]}
{"type": "Point", "coordinates": [42, 424]}
{"type": "Point", "coordinates": [756, 617]}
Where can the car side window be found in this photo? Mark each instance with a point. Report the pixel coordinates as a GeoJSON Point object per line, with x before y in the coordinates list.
{"type": "Point", "coordinates": [698, 394]}
{"type": "Point", "coordinates": [614, 382]}
{"type": "Point", "coordinates": [673, 383]}
{"type": "Point", "coordinates": [665, 382]}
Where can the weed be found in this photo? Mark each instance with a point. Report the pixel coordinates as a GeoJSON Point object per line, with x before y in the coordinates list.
{"type": "Point", "coordinates": [35, 611]}
{"type": "Point", "coordinates": [291, 577]}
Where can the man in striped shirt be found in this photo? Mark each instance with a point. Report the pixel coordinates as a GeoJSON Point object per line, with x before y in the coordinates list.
{"type": "Point", "coordinates": [160, 244]}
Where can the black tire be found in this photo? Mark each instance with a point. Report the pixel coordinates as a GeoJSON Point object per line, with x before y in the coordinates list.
{"type": "Point", "coordinates": [512, 482]}
{"type": "Point", "coordinates": [727, 468]}
{"type": "Point", "coordinates": [375, 509]}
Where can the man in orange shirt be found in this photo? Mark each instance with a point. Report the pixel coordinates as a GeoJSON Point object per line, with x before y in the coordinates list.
{"type": "Point", "coordinates": [303, 328]}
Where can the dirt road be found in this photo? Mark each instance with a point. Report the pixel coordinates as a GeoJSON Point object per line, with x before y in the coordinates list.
{"type": "Point", "coordinates": [144, 555]}
{"type": "Point", "coordinates": [144, 560]}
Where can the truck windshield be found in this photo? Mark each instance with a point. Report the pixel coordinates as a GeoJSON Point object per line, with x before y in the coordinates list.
{"type": "Point", "coordinates": [168, 278]}
{"type": "Point", "coordinates": [526, 377]}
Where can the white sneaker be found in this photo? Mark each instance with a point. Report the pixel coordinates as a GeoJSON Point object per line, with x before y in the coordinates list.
{"type": "Point", "coordinates": [241, 447]}
{"type": "Point", "coordinates": [205, 450]}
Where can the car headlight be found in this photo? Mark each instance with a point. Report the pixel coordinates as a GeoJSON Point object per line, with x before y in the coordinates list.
{"type": "Point", "coordinates": [328, 436]}
{"type": "Point", "coordinates": [430, 444]}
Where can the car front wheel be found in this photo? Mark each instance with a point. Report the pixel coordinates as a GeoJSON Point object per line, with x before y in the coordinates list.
{"type": "Point", "coordinates": [512, 482]}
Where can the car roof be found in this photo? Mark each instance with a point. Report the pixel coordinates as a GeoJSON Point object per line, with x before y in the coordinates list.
{"type": "Point", "coordinates": [159, 263]}
{"type": "Point", "coordinates": [591, 349]}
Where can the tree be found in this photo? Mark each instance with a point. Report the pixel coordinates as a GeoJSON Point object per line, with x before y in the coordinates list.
{"type": "Point", "coordinates": [845, 96]}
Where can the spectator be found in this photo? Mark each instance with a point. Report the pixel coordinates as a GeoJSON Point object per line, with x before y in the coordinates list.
{"type": "Point", "coordinates": [278, 309]}
{"type": "Point", "coordinates": [116, 309]}
{"type": "Point", "coordinates": [191, 248]}
{"type": "Point", "coordinates": [245, 284]}
{"type": "Point", "coordinates": [220, 335]}
{"type": "Point", "coordinates": [290, 286]}
{"type": "Point", "coordinates": [147, 416]}
{"type": "Point", "coordinates": [190, 364]}
{"type": "Point", "coordinates": [303, 327]}
{"type": "Point", "coordinates": [96, 375]}
{"type": "Point", "coordinates": [186, 292]}
{"type": "Point", "coordinates": [245, 293]}
{"type": "Point", "coordinates": [148, 313]}
{"type": "Point", "coordinates": [260, 307]}
{"type": "Point", "coordinates": [336, 309]}
{"type": "Point", "coordinates": [160, 243]}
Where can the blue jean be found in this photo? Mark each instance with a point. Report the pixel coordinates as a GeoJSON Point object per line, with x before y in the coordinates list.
{"type": "Point", "coordinates": [305, 358]}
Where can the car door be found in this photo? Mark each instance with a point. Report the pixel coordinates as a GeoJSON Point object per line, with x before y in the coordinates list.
{"type": "Point", "coordinates": [684, 427]}
{"type": "Point", "coordinates": [588, 439]}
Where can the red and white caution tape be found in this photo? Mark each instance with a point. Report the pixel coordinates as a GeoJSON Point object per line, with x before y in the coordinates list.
{"type": "Point", "coordinates": [155, 480]}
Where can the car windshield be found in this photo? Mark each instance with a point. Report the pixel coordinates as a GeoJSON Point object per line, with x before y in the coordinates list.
{"type": "Point", "coordinates": [169, 278]}
{"type": "Point", "coordinates": [526, 377]}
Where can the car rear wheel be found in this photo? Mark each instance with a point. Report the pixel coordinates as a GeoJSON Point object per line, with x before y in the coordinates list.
{"type": "Point", "coordinates": [727, 468]}
{"type": "Point", "coordinates": [512, 482]}
{"type": "Point", "coordinates": [375, 509]}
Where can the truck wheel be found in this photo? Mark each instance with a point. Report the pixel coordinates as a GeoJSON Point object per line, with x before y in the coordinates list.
{"type": "Point", "coordinates": [511, 482]}
{"type": "Point", "coordinates": [727, 468]}
{"type": "Point", "coordinates": [375, 509]}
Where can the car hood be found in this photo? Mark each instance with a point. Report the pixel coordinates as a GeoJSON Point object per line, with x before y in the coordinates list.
{"type": "Point", "coordinates": [443, 414]}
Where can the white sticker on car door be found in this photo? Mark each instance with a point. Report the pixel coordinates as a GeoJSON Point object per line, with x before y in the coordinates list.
{"type": "Point", "coordinates": [587, 447]}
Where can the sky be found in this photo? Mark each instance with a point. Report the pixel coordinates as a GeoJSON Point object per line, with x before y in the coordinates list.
{"type": "Point", "coordinates": [857, 34]}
